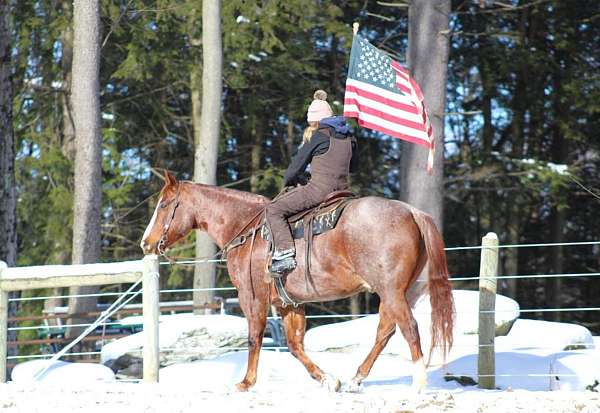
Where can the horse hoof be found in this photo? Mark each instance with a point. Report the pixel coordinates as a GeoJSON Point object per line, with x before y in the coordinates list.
{"type": "Point", "coordinates": [418, 385]}
{"type": "Point", "coordinates": [330, 383]}
{"type": "Point", "coordinates": [353, 386]}
{"type": "Point", "coordinates": [242, 387]}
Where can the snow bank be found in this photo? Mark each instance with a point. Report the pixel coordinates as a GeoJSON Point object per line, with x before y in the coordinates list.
{"type": "Point", "coordinates": [547, 335]}
{"type": "Point", "coordinates": [183, 334]}
{"type": "Point", "coordinates": [575, 370]}
{"type": "Point", "coordinates": [61, 372]}
{"type": "Point", "coordinates": [531, 369]}
{"type": "Point", "coordinates": [466, 304]}
{"type": "Point", "coordinates": [349, 335]}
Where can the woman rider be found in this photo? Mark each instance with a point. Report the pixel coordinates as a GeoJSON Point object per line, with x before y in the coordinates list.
{"type": "Point", "coordinates": [331, 153]}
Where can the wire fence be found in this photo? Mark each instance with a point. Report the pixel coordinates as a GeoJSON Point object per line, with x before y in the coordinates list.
{"type": "Point", "coordinates": [498, 347]}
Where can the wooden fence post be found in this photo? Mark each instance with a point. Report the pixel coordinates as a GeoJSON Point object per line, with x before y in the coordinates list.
{"type": "Point", "coordinates": [150, 304]}
{"type": "Point", "coordinates": [488, 271]}
{"type": "Point", "coordinates": [3, 327]}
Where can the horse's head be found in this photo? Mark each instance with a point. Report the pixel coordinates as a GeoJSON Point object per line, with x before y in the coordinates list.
{"type": "Point", "coordinates": [171, 220]}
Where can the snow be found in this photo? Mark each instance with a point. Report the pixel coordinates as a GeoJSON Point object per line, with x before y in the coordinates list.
{"type": "Point", "coordinates": [149, 398]}
{"type": "Point", "coordinates": [61, 371]}
{"type": "Point", "coordinates": [560, 169]}
{"type": "Point", "coordinates": [541, 366]}
{"type": "Point", "coordinates": [526, 357]}
{"type": "Point", "coordinates": [344, 335]}
{"type": "Point", "coordinates": [254, 57]}
{"type": "Point", "coordinates": [171, 328]}
{"type": "Point", "coordinates": [526, 370]}
{"type": "Point", "coordinates": [547, 335]}
{"type": "Point", "coordinates": [575, 370]}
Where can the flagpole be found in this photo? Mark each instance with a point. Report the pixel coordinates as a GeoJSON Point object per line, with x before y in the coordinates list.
{"type": "Point", "coordinates": [355, 28]}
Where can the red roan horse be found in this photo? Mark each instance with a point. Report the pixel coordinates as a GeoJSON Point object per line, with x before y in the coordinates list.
{"type": "Point", "coordinates": [378, 245]}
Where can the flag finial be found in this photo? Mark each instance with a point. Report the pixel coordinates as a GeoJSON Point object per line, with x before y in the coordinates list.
{"type": "Point", "coordinates": [355, 28]}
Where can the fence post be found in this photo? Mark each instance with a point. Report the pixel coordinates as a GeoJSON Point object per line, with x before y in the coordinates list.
{"type": "Point", "coordinates": [150, 304]}
{"type": "Point", "coordinates": [3, 327]}
{"type": "Point", "coordinates": [488, 271]}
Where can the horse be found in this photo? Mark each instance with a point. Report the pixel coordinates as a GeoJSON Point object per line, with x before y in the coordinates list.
{"type": "Point", "coordinates": [379, 245]}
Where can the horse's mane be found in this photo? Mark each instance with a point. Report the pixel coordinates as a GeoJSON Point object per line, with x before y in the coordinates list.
{"type": "Point", "coordinates": [234, 194]}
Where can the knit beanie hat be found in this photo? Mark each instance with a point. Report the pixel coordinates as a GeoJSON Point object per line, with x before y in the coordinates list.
{"type": "Point", "coordinates": [319, 108]}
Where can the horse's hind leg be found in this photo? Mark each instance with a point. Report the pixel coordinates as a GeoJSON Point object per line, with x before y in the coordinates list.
{"type": "Point", "coordinates": [385, 330]}
{"type": "Point", "coordinates": [410, 330]}
{"type": "Point", "coordinates": [394, 312]}
{"type": "Point", "coordinates": [294, 321]}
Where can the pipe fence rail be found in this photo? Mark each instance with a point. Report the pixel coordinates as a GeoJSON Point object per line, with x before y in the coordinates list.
{"type": "Point", "coordinates": [56, 276]}
{"type": "Point", "coordinates": [21, 278]}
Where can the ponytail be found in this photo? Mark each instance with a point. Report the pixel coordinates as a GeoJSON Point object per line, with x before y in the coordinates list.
{"type": "Point", "coordinates": [308, 132]}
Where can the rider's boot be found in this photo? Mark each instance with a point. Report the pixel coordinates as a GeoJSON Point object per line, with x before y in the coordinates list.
{"type": "Point", "coordinates": [283, 262]}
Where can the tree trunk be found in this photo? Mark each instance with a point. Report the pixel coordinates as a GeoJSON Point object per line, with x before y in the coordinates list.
{"type": "Point", "coordinates": [255, 153]}
{"type": "Point", "coordinates": [428, 61]}
{"type": "Point", "coordinates": [206, 136]}
{"type": "Point", "coordinates": [555, 285]}
{"type": "Point", "coordinates": [290, 135]}
{"type": "Point", "coordinates": [8, 196]}
{"type": "Point", "coordinates": [519, 107]}
{"type": "Point", "coordinates": [558, 218]}
{"type": "Point", "coordinates": [68, 127]}
{"type": "Point", "coordinates": [559, 153]}
{"type": "Point", "coordinates": [85, 95]}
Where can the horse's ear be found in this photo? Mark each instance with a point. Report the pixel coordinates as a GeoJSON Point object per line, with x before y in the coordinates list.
{"type": "Point", "coordinates": [170, 179]}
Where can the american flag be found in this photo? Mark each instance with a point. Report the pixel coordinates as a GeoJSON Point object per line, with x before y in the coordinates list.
{"type": "Point", "coordinates": [382, 96]}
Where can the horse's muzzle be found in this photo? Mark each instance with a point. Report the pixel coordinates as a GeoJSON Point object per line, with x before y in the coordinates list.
{"type": "Point", "coordinates": [147, 248]}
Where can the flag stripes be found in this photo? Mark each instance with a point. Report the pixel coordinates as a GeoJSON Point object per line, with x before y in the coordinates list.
{"type": "Point", "coordinates": [382, 96]}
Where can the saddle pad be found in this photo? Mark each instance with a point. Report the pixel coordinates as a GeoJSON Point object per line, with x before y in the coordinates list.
{"type": "Point", "coordinates": [321, 223]}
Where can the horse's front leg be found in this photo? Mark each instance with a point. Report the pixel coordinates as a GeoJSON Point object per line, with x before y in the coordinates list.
{"type": "Point", "coordinates": [255, 309]}
{"type": "Point", "coordinates": [294, 321]}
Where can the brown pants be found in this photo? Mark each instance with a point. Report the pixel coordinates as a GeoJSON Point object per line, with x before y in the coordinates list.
{"type": "Point", "coordinates": [296, 200]}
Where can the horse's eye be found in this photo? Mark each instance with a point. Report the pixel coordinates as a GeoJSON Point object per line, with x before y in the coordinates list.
{"type": "Point", "coordinates": [163, 205]}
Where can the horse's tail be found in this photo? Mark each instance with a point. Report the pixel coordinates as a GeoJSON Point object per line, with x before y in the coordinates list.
{"type": "Point", "coordinates": [440, 291]}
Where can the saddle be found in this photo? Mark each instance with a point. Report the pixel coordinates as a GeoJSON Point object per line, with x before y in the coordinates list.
{"type": "Point", "coordinates": [317, 220]}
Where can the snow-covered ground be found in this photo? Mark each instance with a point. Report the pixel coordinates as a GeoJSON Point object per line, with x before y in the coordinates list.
{"type": "Point", "coordinates": [540, 366]}
{"type": "Point", "coordinates": [160, 398]}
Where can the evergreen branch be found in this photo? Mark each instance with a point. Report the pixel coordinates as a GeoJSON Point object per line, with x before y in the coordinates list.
{"type": "Point", "coordinates": [586, 189]}
{"type": "Point", "coordinates": [504, 8]}
{"type": "Point", "coordinates": [115, 23]}
{"type": "Point", "coordinates": [399, 5]}
{"type": "Point", "coordinates": [379, 16]}
{"type": "Point", "coordinates": [134, 208]}
{"type": "Point", "coordinates": [128, 98]}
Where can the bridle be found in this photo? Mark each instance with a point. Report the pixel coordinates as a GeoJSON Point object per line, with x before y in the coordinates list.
{"type": "Point", "coordinates": [163, 238]}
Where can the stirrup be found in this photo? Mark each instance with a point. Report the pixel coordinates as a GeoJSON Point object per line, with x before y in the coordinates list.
{"type": "Point", "coordinates": [279, 255]}
{"type": "Point", "coordinates": [283, 266]}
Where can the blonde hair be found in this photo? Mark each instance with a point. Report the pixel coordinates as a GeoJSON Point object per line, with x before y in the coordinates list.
{"type": "Point", "coordinates": [308, 132]}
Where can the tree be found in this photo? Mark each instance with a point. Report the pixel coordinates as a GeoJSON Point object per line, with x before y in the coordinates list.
{"type": "Point", "coordinates": [8, 196]}
{"type": "Point", "coordinates": [206, 135]}
{"type": "Point", "coordinates": [428, 61]}
{"type": "Point", "coordinates": [68, 129]}
{"type": "Point", "coordinates": [8, 229]}
{"type": "Point", "coordinates": [85, 95]}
